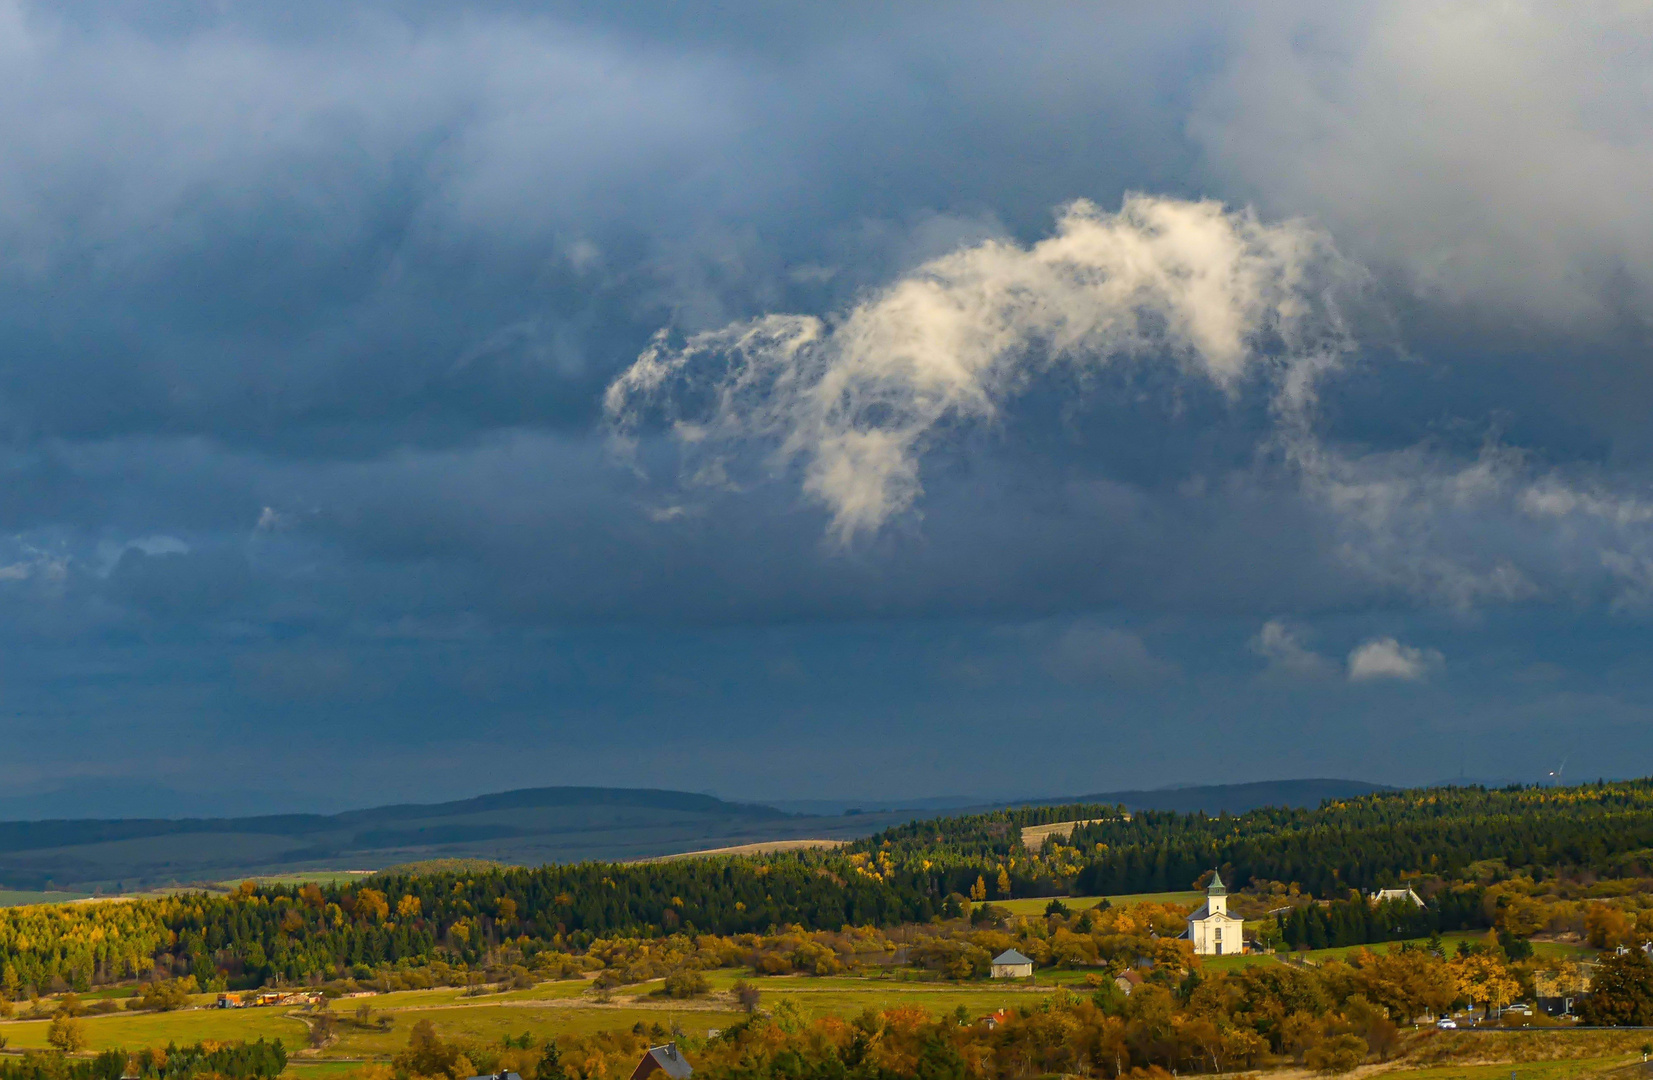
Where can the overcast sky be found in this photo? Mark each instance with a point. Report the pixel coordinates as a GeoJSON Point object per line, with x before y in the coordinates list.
{"type": "Point", "coordinates": [406, 401]}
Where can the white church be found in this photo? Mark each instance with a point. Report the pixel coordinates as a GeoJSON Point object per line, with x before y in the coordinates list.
{"type": "Point", "coordinates": [1212, 929]}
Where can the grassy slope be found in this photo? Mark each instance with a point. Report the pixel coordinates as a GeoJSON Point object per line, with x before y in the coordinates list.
{"type": "Point", "coordinates": [1037, 905]}
{"type": "Point", "coordinates": [22, 897]}
{"type": "Point", "coordinates": [565, 1007]}
{"type": "Point", "coordinates": [157, 1029]}
{"type": "Point", "coordinates": [1544, 1070]}
{"type": "Point", "coordinates": [1451, 938]}
{"type": "Point", "coordinates": [301, 1069]}
{"type": "Point", "coordinates": [490, 1023]}
{"type": "Point", "coordinates": [318, 877]}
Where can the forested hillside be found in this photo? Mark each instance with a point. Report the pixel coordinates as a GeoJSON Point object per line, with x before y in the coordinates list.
{"type": "Point", "coordinates": [1361, 842]}
{"type": "Point", "coordinates": [1375, 840]}
{"type": "Point", "coordinates": [1451, 843]}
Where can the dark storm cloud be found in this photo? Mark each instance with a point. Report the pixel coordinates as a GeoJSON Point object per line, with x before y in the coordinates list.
{"type": "Point", "coordinates": [419, 220]}
{"type": "Point", "coordinates": [307, 313]}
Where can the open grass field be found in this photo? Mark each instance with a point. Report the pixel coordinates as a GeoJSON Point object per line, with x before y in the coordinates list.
{"type": "Point", "coordinates": [1187, 897]}
{"type": "Point", "coordinates": [21, 897]}
{"type": "Point", "coordinates": [1562, 950]}
{"type": "Point", "coordinates": [133, 1030]}
{"type": "Point", "coordinates": [485, 1022]}
{"type": "Point", "coordinates": [303, 1069]}
{"type": "Point", "coordinates": [491, 1023]}
{"type": "Point", "coordinates": [975, 998]}
{"type": "Point", "coordinates": [766, 847]}
{"type": "Point", "coordinates": [564, 1007]}
{"type": "Point", "coordinates": [1527, 1070]}
{"type": "Point", "coordinates": [1034, 836]}
{"type": "Point", "coordinates": [1037, 905]}
{"type": "Point", "coordinates": [1548, 949]}
{"type": "Point", "coordinates": [404, 999]}
{"type": "Point", "coordinates": [303, 877]}
{"type": "Point", "coordinates": [818, 995]}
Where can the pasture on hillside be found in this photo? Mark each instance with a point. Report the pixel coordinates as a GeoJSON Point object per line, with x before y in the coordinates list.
{"type": "Point", "coordinates": [25, 897]}
{"type": "Point", "coordinates": [1035, 905]}
{"type": "Point", "coordinates": [567, 1007]}
{"type": "Point", "coordinates": [185, 1026]}
{"type": "Point", "coordinates": [305, 877]}
{"type": "Point", "coordinates": [1533, 1070]}
{"type": "Point", "coordinates": [301, 1069]}
{"type": "Point", "coordinates": [553, 1008]}
{"type": "Point", "coordinates": [490, 1024]}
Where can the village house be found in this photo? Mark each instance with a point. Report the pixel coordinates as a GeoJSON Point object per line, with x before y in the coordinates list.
{"type": "Point", "coordinates": [1212, 929]}
{"type": "Point", "coordinates": [1384, 895]}
{"type": "Point", "coordinates": [1011, 964]}
{"type": "Point", "coordinates": [1128, 981]}
{"type": "Point", "coordinates": [663, 1059]}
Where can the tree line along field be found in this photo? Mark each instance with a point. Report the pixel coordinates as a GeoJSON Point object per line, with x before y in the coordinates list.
{"type": "Point", "coordinates": [1519, 886]}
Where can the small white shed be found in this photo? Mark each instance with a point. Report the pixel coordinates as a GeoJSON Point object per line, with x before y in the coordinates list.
{"type": "Point", "coordinates": [1406, 894]}
{"type": "Point", "coordinates": [1011, 964]}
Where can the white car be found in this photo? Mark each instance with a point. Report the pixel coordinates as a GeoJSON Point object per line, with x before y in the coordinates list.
{"type": "Point", "coordinates": [1446, 1023]}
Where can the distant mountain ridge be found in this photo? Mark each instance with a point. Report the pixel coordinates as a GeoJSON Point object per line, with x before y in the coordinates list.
{"type": "Point", "coordinates": [29, 835]}
{"type": "Point", "coordinates": [531, 825]}
{"type": "Point", "coordinates": [528, 826]}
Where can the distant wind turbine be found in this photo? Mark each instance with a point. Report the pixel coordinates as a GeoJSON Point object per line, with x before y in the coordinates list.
{"type": "Point", "coordinates": [1555, 774]}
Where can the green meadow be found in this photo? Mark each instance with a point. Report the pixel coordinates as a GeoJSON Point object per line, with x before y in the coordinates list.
{"type": "Point", "coordinates": [1037, 905]}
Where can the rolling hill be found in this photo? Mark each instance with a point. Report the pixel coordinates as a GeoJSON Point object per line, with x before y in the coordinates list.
{"type": "Point", "coordinates": [530, 827]}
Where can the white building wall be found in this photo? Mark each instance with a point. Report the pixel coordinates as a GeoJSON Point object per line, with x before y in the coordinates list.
{"type": "Point", "coordinates": [1203, 934]}
{"type": "Point", "coordinates": [1215, 932]}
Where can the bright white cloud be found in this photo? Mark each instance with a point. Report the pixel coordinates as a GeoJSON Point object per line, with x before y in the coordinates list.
{"type": "Point", "coordinates": [1279, 644]}
{"type": "Point", "coordinates": [855, 400]}
{"type": "Point", "coordinates": [1386, 658]}
{"type": "Point", "coordinates": [32, 562]}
